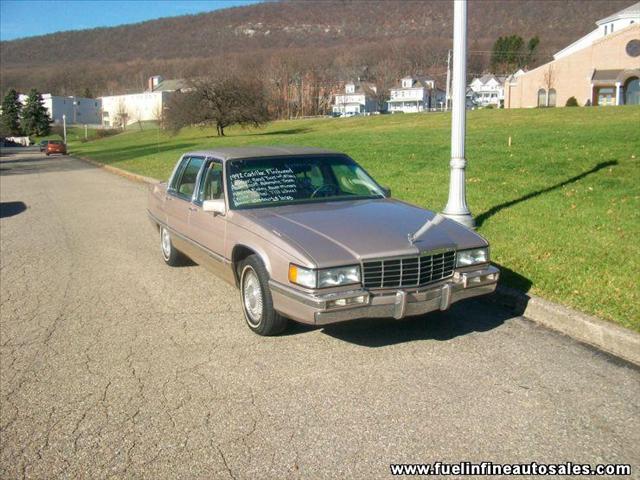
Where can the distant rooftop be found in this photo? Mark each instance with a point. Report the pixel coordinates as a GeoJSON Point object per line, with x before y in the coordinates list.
{"type": "Point", "coordinates": [629, 12]}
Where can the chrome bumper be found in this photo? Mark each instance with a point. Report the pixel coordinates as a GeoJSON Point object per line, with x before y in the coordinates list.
{"type": "Point", "coordinates": [321, 309]}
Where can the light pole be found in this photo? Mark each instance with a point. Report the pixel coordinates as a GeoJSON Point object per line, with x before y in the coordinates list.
{"type": "Point", "coordinates": [64, 127]}
{"type": "Point", "coordinates": [456, 208]}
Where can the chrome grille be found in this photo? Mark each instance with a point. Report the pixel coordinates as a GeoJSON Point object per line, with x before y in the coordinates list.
{"type": "Point", "coordinates": [408, 271]}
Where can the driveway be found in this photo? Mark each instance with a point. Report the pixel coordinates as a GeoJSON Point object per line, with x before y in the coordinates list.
{"type": "Point", "coordinates": [115, 365]}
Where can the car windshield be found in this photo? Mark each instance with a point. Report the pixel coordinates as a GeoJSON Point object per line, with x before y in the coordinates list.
{"type": "Point", "coordinates": [291, 180]}
{"type": "Point", "coordinates": [55, 142]}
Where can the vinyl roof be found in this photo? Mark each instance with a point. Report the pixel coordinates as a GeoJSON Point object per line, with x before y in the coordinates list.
{"type": "Point", "coordinates": [234, 153]}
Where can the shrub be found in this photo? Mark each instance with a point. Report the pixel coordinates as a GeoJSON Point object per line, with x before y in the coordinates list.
{"type": "Point", "coordinates": [106, 132]}
{"type": "Point", "coordinates": [571, 102]}
{"type": "Point", "coordinates": [489, 107]}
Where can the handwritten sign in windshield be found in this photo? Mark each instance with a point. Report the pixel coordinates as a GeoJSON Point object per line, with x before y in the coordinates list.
{"type": "Point", "coordinates": [275, 184]}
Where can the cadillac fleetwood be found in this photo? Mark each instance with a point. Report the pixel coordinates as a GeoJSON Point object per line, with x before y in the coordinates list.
{"type": "Point", "coordinates": [306, 234]}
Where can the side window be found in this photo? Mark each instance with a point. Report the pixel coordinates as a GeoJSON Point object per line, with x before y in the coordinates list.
{"type": "Point", "coordinates": [178, 173]}
{"type": "Point", "coordinates": [211, 186]}
{"type": "Point", "coordinates": [187, 182]}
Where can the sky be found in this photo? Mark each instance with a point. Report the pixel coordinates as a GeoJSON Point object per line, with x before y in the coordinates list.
{"type": "Point", "coordinates": [26, 18]}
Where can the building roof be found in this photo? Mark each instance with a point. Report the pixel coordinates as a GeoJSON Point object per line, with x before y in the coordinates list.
{"type": "Point", "coordinates": [235, 153]}
{"type": "Point", "coordinates": [630, 11]}
{"type": "Point", "coordinates": [487, 77]}
{"type": "Point", "coordinates": [170, 85]}
{"type": "Point", "coordinates": [608, 77]}
{"type": "Point", "coordinates": [416, 82]}
{"type": "Point", "coordinates": [366, 88]}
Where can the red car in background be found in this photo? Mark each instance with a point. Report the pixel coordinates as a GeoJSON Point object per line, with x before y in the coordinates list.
{"type": "Point", "coordinates": [56, 146]}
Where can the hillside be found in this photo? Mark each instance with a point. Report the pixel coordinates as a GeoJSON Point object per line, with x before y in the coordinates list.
{"type": "Point", "coordinates": [344, 38]}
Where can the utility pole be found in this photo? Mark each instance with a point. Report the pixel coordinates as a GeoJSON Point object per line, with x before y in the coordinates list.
{"type": "Point", "coordinates": [64, 127]}
{"type": "Point", "coordinates": [456, 208]}
{"type": "Point", "coordinates": [448, 93]}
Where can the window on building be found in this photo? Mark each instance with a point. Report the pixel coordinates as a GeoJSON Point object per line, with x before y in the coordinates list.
{"type": "Point", "coordinates": [552, 97]}
{"type": "Point", "coordinates": [632, 91]}
{"type": "Point", "coordinates": [612, 28]}
{"type": "Point", "coordinates": [542, 98]}
{"type": "Point", "coordinates": [605, 29]}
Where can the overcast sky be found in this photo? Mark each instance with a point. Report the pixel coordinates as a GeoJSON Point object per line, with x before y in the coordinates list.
{"type": "Point", "coordinates": [26, 18]}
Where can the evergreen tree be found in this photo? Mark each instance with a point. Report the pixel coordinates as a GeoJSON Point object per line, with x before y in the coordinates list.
{"type": "Point", "coordinates": [35, 118]}
{"type": "Point", "coordinates": [10, 119]}
{"type": "Point", "coordinates": [510, 53]}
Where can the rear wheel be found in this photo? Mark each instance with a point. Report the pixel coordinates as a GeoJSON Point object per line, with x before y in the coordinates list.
{"type": "Point", "coordinates": [257, 303]}
{"type": "Point", "coordinates": [170, 255]}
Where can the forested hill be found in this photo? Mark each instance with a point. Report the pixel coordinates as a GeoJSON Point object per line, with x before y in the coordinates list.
{"type": "Point", "coordinates": [343, 37]}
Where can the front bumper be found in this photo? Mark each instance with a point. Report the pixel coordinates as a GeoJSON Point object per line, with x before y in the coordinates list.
{"type": "Point", "coordinates": [321, 309]}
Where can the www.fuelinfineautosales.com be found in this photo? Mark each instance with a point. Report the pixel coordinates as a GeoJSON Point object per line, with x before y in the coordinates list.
{"type": "Point", "coordinates": [491, 469]}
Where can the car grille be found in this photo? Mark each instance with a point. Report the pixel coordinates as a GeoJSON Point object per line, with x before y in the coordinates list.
{"type": "Point", "coordinates": [408, 271]}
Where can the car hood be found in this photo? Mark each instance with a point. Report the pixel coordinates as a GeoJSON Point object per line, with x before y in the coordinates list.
{"type": "Point", "coordinates": [339, 233]}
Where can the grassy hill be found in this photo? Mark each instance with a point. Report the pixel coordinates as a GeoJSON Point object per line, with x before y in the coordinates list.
{"type": "Point", "coordinates": [561, 206]}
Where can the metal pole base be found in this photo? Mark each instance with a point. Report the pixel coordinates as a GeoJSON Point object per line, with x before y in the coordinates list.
{"type": "Point", "coordinates": [464, 218]}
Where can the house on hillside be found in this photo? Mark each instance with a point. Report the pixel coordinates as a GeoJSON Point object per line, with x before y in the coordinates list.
{"type": "Point", "coordinates": [601, 68]}
{"type": "Point", "coordinates": [121, 110]}
{"type": "Point", "coordinates": [488, 90]}
{"type": "Point", "coordinates": [415, 94]}
{"type": "Point", "coordinates": [76, 110]}
{"type": "Point", "coordinates": [359, 98]}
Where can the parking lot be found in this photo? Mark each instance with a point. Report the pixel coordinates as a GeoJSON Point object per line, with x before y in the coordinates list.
{"type": "Point", "coordinates": [113, 364]}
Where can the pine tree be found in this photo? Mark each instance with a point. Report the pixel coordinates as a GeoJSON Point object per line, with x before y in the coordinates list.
{"type": "Point", "coordinates": [35, 118]}
{"type": "Point", "coordinates": [10, 118]}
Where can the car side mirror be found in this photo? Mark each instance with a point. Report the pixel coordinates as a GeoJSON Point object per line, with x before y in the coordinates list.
{"type": "Point", "coordinates": [216, 206]}
{"type": "Point", "coordinates": [386, 191]}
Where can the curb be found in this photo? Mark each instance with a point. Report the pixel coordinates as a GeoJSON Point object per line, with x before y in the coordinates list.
{"type": "Point", "coordinates": [118, 171]}
{"type": "Point", "coordinates": [606, 336]}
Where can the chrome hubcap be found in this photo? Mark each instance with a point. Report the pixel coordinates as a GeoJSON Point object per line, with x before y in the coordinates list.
{"type": "Point", "coordinates": [252, 297]}
{"type": "Point", "coordinates": [165, 243]}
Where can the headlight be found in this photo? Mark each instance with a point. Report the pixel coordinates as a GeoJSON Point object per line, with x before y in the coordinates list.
{"type": "Point", "coordinates": [466, 258]}
{"type": "Point", "coordinates": [328, 277]}
{"type": "Point", "coordinates": [334, 277]}
{"type": "Point", "coordinates": [305, 277]}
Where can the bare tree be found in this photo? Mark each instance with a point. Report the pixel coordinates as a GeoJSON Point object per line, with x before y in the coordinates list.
{"type": "Point", "coordinates": [549, 82]}
{"type": "Point", "coordinates": [158, 114]}
{"type": "Point", "coordinates": [122, 115]}
{"type": "Point", "coordinates": [219, 102]}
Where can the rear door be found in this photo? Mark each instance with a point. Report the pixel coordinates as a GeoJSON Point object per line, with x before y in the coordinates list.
{"type": "Point", "coordinates": [180, 192]}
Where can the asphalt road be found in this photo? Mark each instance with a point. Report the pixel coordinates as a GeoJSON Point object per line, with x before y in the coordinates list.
{"type": "Point", "coordinates": [115, 365]}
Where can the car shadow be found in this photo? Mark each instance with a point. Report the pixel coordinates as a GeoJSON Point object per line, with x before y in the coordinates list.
{"type": "Point", "coordinates": [461, 319]}
{"type": "Point", "coordinates": [10, 209]}
{"type": "Point", "coordinates": [483, 217]}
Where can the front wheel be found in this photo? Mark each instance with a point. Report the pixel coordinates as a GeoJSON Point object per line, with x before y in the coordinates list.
{"type": "Point", "coordinates": [170, 255]}
{"type": "Point", "coordinates": [257, 303]}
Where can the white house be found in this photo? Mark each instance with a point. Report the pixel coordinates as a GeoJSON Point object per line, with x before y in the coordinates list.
{"type": "Point", "coordinates": [122, 110]}
{"type": "Point", "coordinates": [606, 26]}
{"type": "Point", "coordinates": [488, 90]}
{"type": "Point", "coordinates": [415, 94]}
{"type": "Point", "coordinates": [358, 98]}
{"type": "Point", "coordinates": [78, 110]}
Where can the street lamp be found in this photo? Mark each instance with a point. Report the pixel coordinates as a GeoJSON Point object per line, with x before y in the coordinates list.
{"type": "Point", "coordinates": [64, 127]}
{"type": "Point", "coordinates": [456, 208]}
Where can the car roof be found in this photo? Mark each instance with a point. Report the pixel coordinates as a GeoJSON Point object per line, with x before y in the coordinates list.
{"type": "Point", "coordinates": [235, 153]}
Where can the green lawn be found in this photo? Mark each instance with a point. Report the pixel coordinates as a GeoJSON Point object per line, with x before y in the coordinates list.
{"type": "Point", "coordinates": [560, 206]}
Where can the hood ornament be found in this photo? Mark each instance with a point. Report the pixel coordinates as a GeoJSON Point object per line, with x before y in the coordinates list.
{"type": "Point", "coordinates": [436, 220]}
